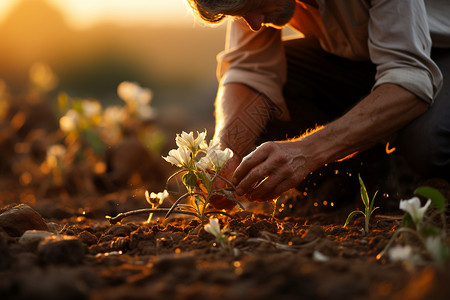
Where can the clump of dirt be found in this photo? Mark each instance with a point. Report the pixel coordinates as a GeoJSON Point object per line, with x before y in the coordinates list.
{"type": "Point", "coordinates": [266, 258]}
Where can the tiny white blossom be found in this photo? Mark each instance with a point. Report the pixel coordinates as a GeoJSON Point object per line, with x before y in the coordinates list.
{"type": "Point", "coordinates": [146, 113]}
{"type": "Point", "coordinates": [318, 256]}
{"type": "Point", "coordinates": [113, 115]}
{"type": "Point", "coordinates": [179, 157]}
{"type": "Point", "coordinates": [133, 94]}
{"type": "Point", "coordinates": [91, 108]}
{"type": "Point", "coordinates": [55, 153]}
{"type": "Point", "coordinates": [401, 253]}
{"type": "Point", "coordinates": [412, 207]}
{"type": "Point", "coordinates": [433, 245]}
{"type": "Point", "coordinates": [213, 227]}
{"type": "Point", "coordinates": [155, 199]}
{"type": "Point", "coordinates": [69, 121]}
{"type": "Point", "coordinates": [187, 140]}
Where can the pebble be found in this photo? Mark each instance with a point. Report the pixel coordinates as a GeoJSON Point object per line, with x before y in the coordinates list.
{"type": "Point", "coordinates": [87, 238]}
{"type": "Point", "coordinates": [21, 218]}
{"type": "Point", "coordinates": [31, 238]}
{"type": "Point", "coordinates": [61, 249]}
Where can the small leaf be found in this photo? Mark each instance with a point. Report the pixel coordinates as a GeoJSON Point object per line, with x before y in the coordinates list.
{"type": "Point", "coordinates": [407, 221]}
{"type": "Point", "coordinates": [437, 199]}
{"type": "Point", "coordinates": [371, 209]}
{"type": "Point", "coordinates": [371, 212]}
{"type": "Point", "coordinates": [189, 180]}
{"type": "Point", "coordinates": [364, 195]}
{"type": "Point", "coordinates": [351, 215]}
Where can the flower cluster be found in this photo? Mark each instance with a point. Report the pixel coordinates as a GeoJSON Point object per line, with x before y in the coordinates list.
{"type": "Point", "coordinates": [201, 164]}
{"type": "Point", "coordinates": [186, 156]}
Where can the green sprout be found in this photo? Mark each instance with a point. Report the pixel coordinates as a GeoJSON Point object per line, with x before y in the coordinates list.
{"type": "Point", "coordinates": [368, 210]}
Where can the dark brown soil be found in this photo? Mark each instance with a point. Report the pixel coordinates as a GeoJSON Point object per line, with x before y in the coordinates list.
{"type": "Point", "coordinates": [267, 258]}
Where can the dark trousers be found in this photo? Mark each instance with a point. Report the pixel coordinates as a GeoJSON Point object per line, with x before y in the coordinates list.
{"type": "Point", "coordinates": [322, 87]}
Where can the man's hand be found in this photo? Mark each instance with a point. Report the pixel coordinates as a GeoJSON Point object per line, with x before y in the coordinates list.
{"type": "Point", "coordinates": [270, 170]}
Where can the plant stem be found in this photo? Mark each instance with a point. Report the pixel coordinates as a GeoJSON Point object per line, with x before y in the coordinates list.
{"type": "Point", "coordinates": [121, 216]}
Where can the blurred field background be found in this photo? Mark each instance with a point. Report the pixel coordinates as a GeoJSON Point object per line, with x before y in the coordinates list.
{"type": "Point", "coordinates": [93, 45]}
{"type": "Point", "coordinates": [64, 130]}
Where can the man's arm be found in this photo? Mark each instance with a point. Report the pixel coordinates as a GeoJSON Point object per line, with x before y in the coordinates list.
{"type": "Point", "coordinates": [285, 164]}
{"type": "Point", "coordinates": [241, 115]}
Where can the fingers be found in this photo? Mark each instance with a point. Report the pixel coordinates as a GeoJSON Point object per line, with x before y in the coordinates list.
{"type": "Point", "coordinates": [271, 188]}
{"type": "Point", "coordinates": [267, 172]}
{"type": "Point", "coordinates": [248, 169]}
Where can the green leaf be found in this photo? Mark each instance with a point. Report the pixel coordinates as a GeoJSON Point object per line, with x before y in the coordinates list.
{"type": "Point", "coordinates": [364, 195]}
{"type": "Point", "coordinates": [437, 199]}
{"type": "Point", "coordinates": [189, 180]}
{"type": "Point", "coordinates": [351, 215]}
{"type": "Point", "coordinates": [407, 221]}
{"type": "Point", "coordinates": [371, 209]}
{"type": "Point", "coordinates": [371, 212]}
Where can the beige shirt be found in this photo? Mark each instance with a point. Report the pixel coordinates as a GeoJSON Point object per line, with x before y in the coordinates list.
{"type": "Point", "coordinates": [396, 35]}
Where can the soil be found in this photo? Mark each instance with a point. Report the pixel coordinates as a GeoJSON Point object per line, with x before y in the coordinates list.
{"type": "Point", "coordinates": [281, 257]}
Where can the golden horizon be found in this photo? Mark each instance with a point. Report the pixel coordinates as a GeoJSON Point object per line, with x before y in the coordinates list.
{"type": "Point", "coordinates": [86, 13]}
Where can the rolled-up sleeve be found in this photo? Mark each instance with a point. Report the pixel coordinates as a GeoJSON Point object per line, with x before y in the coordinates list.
{"type": "Point", "coordinates": [400, 45]}
{"type": "Point", "coordinates": [255, 59]}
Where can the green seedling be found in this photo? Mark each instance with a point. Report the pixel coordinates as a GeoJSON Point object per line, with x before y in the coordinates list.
{"type": "Point", "coordinates": [368, 207]}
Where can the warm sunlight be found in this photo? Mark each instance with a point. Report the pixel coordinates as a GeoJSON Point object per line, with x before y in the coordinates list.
{"type": "Point", "coordinates": [83, 13]}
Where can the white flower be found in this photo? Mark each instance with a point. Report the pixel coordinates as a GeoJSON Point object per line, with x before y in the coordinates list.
{"type": "Point", "coordinates": [91, 108]}
{"type": "Point", "coordinates": [318, 256]}
{"type": "Point", "coordinates": [155, 199]}
{"type": "Point", "coordinates": [179, 157]}
{"type": "Point", "coordinates": [55, 154]}
{"type": "Point", "coordinates": [187, 140]}
{"type": "Point", "coordinates": [204, 164]}
{"type": "Point", "coordinates": [220, 157]}
{"type": "Point", "coordinates": [213, 227]}
{"type": "Point", "coordinates": [434, 248]}
{"type": "Point", "coordinates": [401, 253]}
{"type": "Point", "coordinates": [113, 116]}
{"type": "Point", "coordinates": [69, 121]}
{"type": "Point", "coordinates": [146, 113]}
{"type": "Point", "coordinates": [213, 145]}
{"type": "Point", "coordinates": [215, 159]}
{"type": "Point", "coordinates": [132, 93]}
{"type": "Point", "coordinates": [412, 207]}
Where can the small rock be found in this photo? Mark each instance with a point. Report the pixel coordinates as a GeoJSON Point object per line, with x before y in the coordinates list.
{"type": "Point", "coordinates": [61, 249]}
{"type": "Point", "coordinates": [119, 230]}
{"type": "Point", "coordinates": [21, 218]}
{"type": "Point", "coordinates": [87, 238]}
{"type": "Point", "coordinates": [31, 238]}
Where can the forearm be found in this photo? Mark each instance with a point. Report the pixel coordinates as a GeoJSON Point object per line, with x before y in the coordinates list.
{"type": "Point", "coordinates": [381, 113]}
{"type": "Point", "coordinates": [241, 115]}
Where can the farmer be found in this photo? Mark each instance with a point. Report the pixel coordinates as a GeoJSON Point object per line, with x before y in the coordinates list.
{"type": "Point", "coordinates": [365, 72]}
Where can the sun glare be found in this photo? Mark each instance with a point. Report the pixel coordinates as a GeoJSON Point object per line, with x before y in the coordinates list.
{"type": "Point", "coordinates": [84, 13]}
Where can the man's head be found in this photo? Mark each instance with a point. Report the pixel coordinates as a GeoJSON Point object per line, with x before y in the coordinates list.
{"type": "Point", "coordinates": [257, 13]}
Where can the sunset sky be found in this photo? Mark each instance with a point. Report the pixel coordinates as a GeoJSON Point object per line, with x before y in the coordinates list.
{"type": "Point", "coordinates": [83, 13]}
